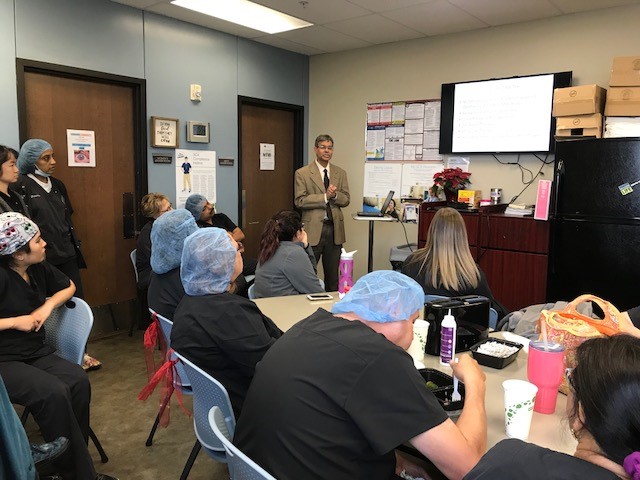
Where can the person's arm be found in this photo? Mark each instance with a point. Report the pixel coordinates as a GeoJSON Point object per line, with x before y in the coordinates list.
{"type": "Point", "coordinates": [629, 322]}
{"type": "Point", "coordinates": [44, 311]}
{"type": "Point", "coordinates": [237, 234]}
{"type": "Point", "coordinates": [24, 323]}
{"type": "Point", "coordinates": [303, 198]}
{"type": "Point", "coordinates": [300, 272]}
{"type": "Point", "coordinates": [455, 448]}
{"type": "Point", "coordinates": [342, 197]}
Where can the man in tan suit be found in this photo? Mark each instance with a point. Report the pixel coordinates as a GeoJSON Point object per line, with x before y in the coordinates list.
{"type": "Point", "coordinates": [320, 192]}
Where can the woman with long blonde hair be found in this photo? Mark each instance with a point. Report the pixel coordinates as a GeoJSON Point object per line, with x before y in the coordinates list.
{"type": "Point", "coordinates": [445, 265]}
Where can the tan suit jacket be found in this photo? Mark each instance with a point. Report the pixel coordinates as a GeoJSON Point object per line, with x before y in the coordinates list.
{"type": "Point", "coordinates": [309, 198]}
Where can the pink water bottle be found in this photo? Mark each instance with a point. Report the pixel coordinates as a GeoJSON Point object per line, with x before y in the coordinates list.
{"type": "Point", "coordinates": [345, 279]}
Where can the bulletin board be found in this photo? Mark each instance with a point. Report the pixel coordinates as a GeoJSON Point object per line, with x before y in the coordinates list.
{"type": "Point", "coordinates": [401, 153]}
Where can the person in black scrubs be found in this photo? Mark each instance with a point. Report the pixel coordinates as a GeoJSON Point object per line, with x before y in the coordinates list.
{"type": "Point", "coordinates": [10, 201]}
{"type": "Point", "coordinates": [168, 235]}
{"type": "Point", "coordinates": [603, 414]}
{"type": "Point", "coordinates": [56, 391]}
{"type": "Point", "coordinates": [224, 334]}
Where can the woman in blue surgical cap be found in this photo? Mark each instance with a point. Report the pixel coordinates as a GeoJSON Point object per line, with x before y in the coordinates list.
{"type": "Point", "coordinates": [50, 207]}
{"type": "Point", "coordinates": [224, 334]}
{"type": "Point", "coordinates": [168, 234]}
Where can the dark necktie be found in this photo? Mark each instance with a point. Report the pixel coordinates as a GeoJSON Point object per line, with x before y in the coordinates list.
{"type": "Point", "coordinates": [327, 206]}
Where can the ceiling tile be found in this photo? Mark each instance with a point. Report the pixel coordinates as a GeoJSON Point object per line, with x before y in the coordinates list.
{"type": "Point", "coordinates": [436, 18]}
{"type": "Point", "coordinates": [573, 6]}
{"type": "Point", "coordinates": [323, 39]}
{"type": "Point", "coordinates": [275, 41]}
{"type": "Point", "coordinates": [317, 12]}
{"type": "Point", "coordinates": [502, 12]}
{"type": "Point", "coordinates": [386, 5]}
{"type": "Point", "coordinates": [375, 29]}
{"type": "Point", "coordinates": [142, 4]}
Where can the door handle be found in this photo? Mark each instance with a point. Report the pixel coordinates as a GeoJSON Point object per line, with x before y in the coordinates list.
{"type": "Point", "coordinates": [254, 223]}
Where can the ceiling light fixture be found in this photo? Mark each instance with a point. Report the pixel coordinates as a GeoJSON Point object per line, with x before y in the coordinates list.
{"type": "Point", "coordinates": [243, 12]}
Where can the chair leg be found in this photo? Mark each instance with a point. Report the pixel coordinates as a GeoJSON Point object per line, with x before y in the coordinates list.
{"type": "Point", "coordinates": [192, 458]}
{"type": "Point", "coordinates": [24, 416]}
{"type": "Point", "coordinates": [163, 406]}
{"type": "Point", "coordinates": [96, 442]}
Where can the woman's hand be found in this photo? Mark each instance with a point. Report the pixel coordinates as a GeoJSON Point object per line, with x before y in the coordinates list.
{"type": "Point", "coordinates": [26, 323]}
{"type": "Point", "coordinates": [41, 313]}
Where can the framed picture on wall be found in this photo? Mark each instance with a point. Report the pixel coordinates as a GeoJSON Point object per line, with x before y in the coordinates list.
{"type": "Point", "coordinates": [164, 132]}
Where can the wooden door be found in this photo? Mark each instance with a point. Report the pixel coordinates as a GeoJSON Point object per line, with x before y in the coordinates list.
{"type": "Point", "coordinates": [54, 104]}
{"type": "Point", "coordinates": [266, 192]}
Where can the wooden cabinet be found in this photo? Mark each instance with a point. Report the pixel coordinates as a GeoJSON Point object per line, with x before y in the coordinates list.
{"type": "Point", "coordinates": [512, 252]}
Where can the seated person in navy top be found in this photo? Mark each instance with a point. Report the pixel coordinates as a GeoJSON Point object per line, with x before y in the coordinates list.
{"type": "Point", "coordinates": [287, 265]}
{"type": "Point", "coordinates": [603, 414]}
{"type": "Point", "coordinates": [338, 393]}
{"type": "Point", "coordinates": [206, 216]}
{"type": "Point", "coordinates": [167, 237]}
{"type": "Point", "coordinates": [224, 334]}
{"type": "Point", "coordinates": [56, 391]}
{"type": "Point", "coordinates": [445, 265]}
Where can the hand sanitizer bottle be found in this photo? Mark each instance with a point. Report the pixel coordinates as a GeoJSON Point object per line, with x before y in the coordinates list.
{"type": "Point", "coordinates": [448, 339]}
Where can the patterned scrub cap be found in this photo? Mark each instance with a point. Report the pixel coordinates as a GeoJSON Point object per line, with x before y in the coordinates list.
{"type": "Point", "coordinates": [16, 231]}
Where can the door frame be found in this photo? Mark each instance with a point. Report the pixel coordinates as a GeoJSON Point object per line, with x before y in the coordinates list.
{"type": "Point", "coordinates": [139, 88]}
{"type": "Point", "coordinates": [298, 137]}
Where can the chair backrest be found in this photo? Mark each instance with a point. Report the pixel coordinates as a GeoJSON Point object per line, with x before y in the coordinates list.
{"type": "Point", "coordinates": [166, 325]}
{"type": "Point", "coordinates": [241, 467]}
{"type": "Point", "coordinates": [67, 329]}
{"type": "Point", "coordinates": [207, 393]}
{"type": "Point", "coordinates": [250, 291]}
{"type": "Point", "coordinates": [133, 256]}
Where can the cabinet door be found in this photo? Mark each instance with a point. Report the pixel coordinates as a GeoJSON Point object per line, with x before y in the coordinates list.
{"type": "Point", "coordinates": [514, 233]}
{"type": "Point", "coordinates": [517, 279]}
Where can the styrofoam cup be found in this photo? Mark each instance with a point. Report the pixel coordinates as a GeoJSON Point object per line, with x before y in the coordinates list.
{"type": "Point", "coordinates": [519, 397]}
{"type": "Point", "coordinates": [419, 343]}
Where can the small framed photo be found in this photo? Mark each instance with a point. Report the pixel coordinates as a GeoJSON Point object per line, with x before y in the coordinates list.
{"type": "Point", "coordinates": [164, 132]}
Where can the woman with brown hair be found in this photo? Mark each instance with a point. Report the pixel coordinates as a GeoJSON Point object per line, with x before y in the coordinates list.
{"type": "Point", "coordinates": [286, 265]}
{"type": "Point", "coordinates": [445, 265]}
{"type": "Point", "coordinates": [10, 201]}
{"type": "Point", "coordinates": [152, 206]}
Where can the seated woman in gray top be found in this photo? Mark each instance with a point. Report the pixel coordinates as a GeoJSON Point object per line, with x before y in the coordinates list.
{"type": "Point", "coordinates": [286, 265]}
{"type": "Point", "coordinates": [167, 239]}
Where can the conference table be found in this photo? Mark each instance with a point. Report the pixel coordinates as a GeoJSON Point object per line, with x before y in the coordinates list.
{"type": "Point", "coordinates": [550, 431]}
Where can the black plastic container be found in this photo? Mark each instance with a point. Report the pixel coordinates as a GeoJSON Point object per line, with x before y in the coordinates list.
{"type": "Point", "coordinates": [490, 360]}
{"type": "Point", "coordinates": [445, 390]}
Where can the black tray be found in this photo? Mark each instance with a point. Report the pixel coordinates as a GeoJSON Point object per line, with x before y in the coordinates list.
{"type": "Point", "coordinates": [491, 361]}
{"type": "Point", "coordinates": [445, 390]}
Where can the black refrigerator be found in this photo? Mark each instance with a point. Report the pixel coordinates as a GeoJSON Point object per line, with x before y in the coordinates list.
{"type": "Point", "coordinates": [595, 229]}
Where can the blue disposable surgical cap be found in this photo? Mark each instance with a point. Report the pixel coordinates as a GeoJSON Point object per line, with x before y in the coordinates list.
{"type": "Point", "coordinates": [29, 154]}
{"type": "Point", "coordinates": [168, 234]}
{"type": "Point", "coordinates": [195, 203]}
{"type": "Point", "coordinates": [382, 296]}
{"type": "Point", "coordinates": [208, 261]}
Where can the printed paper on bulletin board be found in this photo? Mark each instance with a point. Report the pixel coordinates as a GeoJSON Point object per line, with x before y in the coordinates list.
{"type": "Point", "coordinates": [403, 131]}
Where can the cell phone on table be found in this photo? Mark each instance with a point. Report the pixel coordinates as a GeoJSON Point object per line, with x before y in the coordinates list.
{"type": "Point", "coordinates": [319, 296]}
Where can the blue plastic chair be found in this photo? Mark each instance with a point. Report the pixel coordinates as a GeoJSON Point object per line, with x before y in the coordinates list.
{"type": "Point", "coordinates": [241, 467]}
{"type": "Point", "coordinates": [207, 393]}
{"type": "Point", "coordinates": [250, 291]}
{"type": "Point", "coordinates": [67, 330]}
{"type": "Point", "coordinates": [180, 382]}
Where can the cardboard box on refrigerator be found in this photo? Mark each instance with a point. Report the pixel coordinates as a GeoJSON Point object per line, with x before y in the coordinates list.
{"type": "Point", "coordinates": [580, 125]}
{"type": "Point", "coordinates": [578, 100]}
{"type": "Point", "coordinates": [625, 72]}
{"type": "Point", "coordinates": [623, 102]}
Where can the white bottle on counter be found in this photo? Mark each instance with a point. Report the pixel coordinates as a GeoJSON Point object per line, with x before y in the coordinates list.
{"type": "Point", "coordinates": [448, 339]}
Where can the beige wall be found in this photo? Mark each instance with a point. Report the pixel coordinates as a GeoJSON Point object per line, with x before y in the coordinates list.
{"type": "Point", "coordinates": [341, 85]}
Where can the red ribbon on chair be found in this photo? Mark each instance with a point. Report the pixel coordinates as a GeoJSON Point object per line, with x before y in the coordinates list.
{"type": "Point", "coordinates": [152, 338]}
{"type": "Point", "coordinates": [167, 373]}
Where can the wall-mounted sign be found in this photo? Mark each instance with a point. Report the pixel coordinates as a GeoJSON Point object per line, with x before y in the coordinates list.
{"type": "Point", "coordinates": [158, 158]}
{"type": "Point", "coordinates": [164, 132]}
{"type": "Point", "coordinates": [226, 162]}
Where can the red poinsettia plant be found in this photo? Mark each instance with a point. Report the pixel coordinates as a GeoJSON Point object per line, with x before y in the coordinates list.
{"type": "Point", "coordinates": [450, 179]}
